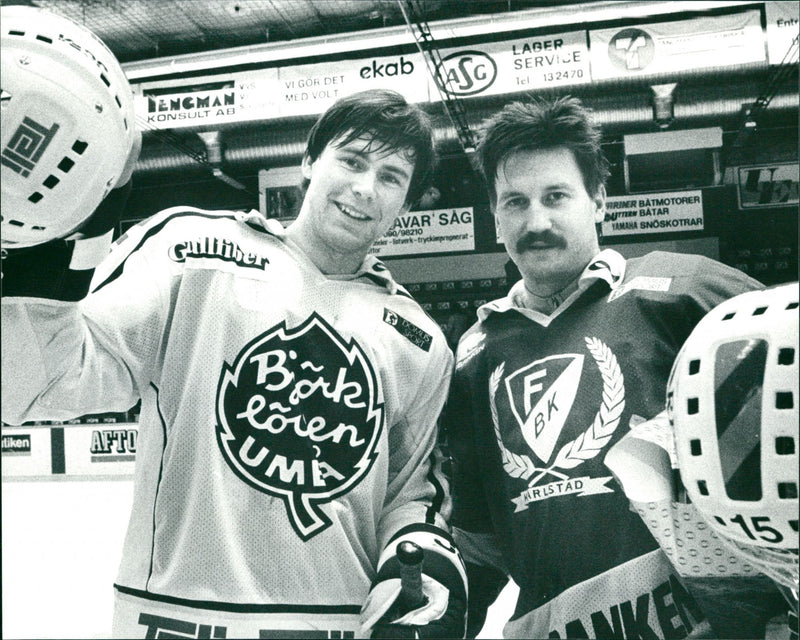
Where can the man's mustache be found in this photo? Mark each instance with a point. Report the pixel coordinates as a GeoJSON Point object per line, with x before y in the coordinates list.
{"type": "Point", "coordinates": [544, 240]}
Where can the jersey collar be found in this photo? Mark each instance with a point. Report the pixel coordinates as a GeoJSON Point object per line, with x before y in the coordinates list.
{"type": "Point", "coordinates": [371, 269]}
{"type": "Point", "coordinates": [608, 266]}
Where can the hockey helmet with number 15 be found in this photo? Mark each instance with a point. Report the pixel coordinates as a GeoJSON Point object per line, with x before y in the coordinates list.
{"type": "Point", "coordinates": [67, 124]}
{"type": "Point", "coordinates": [733, 400]}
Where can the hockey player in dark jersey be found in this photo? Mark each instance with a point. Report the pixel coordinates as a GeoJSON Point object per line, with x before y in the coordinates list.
{"type": "Point", "coordinates": [715, 477]}
{"type": "Point", "coordinates": [551, 377]}
{"type": "Point", "coordinates": [289, 387]}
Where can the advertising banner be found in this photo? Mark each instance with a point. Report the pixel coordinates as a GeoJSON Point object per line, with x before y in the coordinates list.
{"type": "Point", "coordinates": [768, 185]}
{"type": "Point", "coordinates": [511, 66]}
{"type": "Point", "coordinates": [100, 449]}
{"type": "Point", "coordinates": [435, 231]}
{"type": "Point", "coordinates": [26, 452]}
{"type": "Point", "coordinates": [292, 91]}
{"type": "Point", "coordinates": [70, 450]}
{"type": "Point", "coordinates": [495, 68]}
{"type": "Point", "coordinates": [653, 213]}
{"type": "Point", "coordinates": [189, 108]}
{"type": "Point", "coordinates": [783, 27]}
{"type": "Point", "coordinates": [678, 46]}
{"type": "Point", "coordinates": [310, 89]}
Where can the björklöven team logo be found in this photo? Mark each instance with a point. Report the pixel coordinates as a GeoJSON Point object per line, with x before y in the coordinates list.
{"type": "Point", "coordinates": [299, 417]}
{"type": "Point", "coordinates": [540, 397]}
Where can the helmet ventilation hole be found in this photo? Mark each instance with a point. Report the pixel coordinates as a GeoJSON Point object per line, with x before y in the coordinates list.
{"type": "Point", "coordinates": [787, 490]}
{"type": "Point", "coordinates": [784, 400]}
{"type": "Point", "coordinates": [79, 146]}
{"type": "Point", "coordinates": [18, 223]}
{"type": "Point", "coordinates": [784, 446]}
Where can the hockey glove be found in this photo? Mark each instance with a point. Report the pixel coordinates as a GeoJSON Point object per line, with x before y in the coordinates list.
{"type": "Point", "coordinates": [443, 608]}
{"type": "Point", "coordinates": [62, 269]}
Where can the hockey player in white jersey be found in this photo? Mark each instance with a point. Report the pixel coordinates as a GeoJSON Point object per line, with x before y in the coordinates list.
{"type": "Point", "coordinates": [289, 386]}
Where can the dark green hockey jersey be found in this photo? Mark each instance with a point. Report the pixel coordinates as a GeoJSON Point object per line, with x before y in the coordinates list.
{"type": "Point", "coordinates": [535, 404]}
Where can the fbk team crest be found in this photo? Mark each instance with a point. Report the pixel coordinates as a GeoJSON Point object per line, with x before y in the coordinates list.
{"type": "Point", "coordinates": [298, 417]}
{"type": "Point", "coordinates": [540, 396]}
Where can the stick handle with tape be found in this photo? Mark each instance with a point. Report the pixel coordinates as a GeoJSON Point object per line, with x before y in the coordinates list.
{"type": "Point", "coordinates": [410, 556]}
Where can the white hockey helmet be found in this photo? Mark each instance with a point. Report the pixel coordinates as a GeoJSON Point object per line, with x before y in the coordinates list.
{"type": "Point", "coordinates": [733, 400]}
{"type": "Point", "coordinates": [67, 124]}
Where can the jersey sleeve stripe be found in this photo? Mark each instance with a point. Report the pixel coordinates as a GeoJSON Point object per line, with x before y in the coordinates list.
{"type": "Point", "coordinates": [236, 607]}
{"type": "Point", "coordinates": [158, 483]}
{"type": "Point", "coordinates": [153, 230]}
{"type": "Point", "coordinates": [439, 490]}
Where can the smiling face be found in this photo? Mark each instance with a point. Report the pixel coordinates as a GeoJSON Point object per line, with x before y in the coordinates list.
{"type": "Point", "coordinates": [546, 217]}
{"type": "Point", "coordinates": [355, 193]}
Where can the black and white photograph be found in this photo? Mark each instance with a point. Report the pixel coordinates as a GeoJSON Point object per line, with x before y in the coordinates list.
{"type": "Point", "coordinates": [420, 319]}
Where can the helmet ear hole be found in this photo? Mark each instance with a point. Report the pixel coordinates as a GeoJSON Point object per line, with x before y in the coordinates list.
{"type": "Point", "coordinates": [67, 111]}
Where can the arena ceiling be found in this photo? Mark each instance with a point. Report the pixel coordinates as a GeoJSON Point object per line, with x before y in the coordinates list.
{"type": "Point", "coordinates": [142, 29]}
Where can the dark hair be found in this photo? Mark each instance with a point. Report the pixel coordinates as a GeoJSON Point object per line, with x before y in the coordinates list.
{"type": "Point", "coordinates": [394, 124]}
{"type": "Point", "coordinates": [543, 124]}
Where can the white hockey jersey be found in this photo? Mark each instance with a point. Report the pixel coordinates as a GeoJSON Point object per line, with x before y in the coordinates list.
{"type": "Point", "coordinates": [287, 426]}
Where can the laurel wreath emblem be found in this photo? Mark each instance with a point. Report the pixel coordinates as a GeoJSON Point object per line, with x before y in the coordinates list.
{"type": "Point", "coordinates": [590, 442]}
